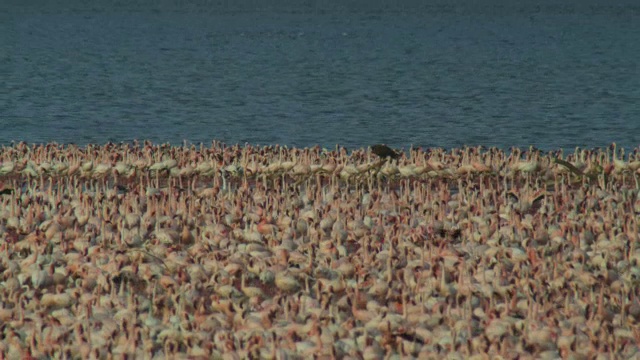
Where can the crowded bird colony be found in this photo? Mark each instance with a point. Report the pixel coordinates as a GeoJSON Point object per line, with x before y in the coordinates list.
{"type": "Point", "coordinates": [236, 252]}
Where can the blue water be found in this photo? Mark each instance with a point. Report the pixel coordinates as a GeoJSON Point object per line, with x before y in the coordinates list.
{"type": "Point", "coordinates": [433, 73]}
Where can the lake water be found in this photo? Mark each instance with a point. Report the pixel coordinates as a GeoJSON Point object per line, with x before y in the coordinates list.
{"type": "Point", "coordinates": [433, 73]}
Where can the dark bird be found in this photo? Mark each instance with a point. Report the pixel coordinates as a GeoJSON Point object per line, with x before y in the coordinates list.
{"type": "Point", "coordinates": [384, 151]}
{"type": "Point", "coordinates": [6, 191]}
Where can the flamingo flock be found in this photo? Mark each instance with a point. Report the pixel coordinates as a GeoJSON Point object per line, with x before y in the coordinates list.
{"type": "Point", "coordinates": [141, 250]}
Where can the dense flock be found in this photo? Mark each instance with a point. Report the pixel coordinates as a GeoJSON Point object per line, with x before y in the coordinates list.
{"type": "Point", "coordinates": [155, 251]}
